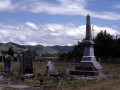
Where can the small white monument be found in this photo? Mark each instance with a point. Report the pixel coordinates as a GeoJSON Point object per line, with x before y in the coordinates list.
{"type": "Point", "coordinates": [50, 68]}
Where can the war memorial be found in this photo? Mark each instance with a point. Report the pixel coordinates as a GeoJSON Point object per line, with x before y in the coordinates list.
{"type": "Point", "coordinates": [89, 67]}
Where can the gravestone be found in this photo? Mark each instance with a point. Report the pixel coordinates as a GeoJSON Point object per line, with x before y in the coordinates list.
{"type": "Point", "coordinates": [26, 63]}
{"type": "Point", "coordinates": [50, 68]}
{"type": "Point", "coordinates": [2, 79]}
{"type": "Point", "coordinates": [8, 64]}
{"type": "Point", "coordinates": [62, 71]}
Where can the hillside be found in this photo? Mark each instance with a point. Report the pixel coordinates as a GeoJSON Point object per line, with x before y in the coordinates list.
{"type": "Point", "coordinates": [19, 48]}
{"type": "Point", "coordinates": [34, 48]}
{"type": "Point", "coordinates": [62, 48]}
{"type": "Point", "coordinates": [48, 50]}
{"type": "Point", "coordinates": [38, 48]}
{"type": "Point", "coordinates": [5, 46]}
{"type": "Point", "coordinates": [42, 49]}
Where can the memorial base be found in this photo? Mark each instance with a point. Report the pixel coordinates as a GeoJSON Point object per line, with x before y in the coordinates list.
{"type": "Point", "coordinates": [90, 68]}
{"type": "Point", "coordinates": [90, 61]}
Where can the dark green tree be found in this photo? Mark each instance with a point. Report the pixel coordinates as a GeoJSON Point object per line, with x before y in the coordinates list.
{"type": "Point", "coordinates": [34, 54]}
{"type": "Point", "coordinates": [117, 46]}
{"type": "Point", "coordinates": [77, 52]}
{"type": "Point", "coordinates": [104, 44]}
{"type": "Point", "coordinates": [63, 56]}
{"type": "Point", "coordinates": [11, 51]}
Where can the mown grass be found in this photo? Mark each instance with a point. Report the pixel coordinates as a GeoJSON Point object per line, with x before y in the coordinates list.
{"type": "Point", "coordinates": [40, 68]}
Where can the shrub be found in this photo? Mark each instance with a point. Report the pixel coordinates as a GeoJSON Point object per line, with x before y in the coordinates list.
{"type": "Point", "coordinates": [79, 82]}
{"type": "Point", "coordinates": [35, 82]}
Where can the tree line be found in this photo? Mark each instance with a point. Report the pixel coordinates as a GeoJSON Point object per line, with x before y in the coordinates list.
{"type": "Point", "coordinates": [106, 46]}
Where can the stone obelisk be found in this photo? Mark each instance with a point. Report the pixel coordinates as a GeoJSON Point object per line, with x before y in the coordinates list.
{"type": "Point", "coordinates": [88, 58]}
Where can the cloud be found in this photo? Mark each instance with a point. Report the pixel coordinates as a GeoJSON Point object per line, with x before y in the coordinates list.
{"type": "Point", "coordinates": [32, 25]}
{"type": "Point", "coordinates": [115, 27]}
{"type": "Point", "coordinates": [67, 7]}
{"type": "Point", "coordinates": [62, 7]}
{"type": "Point", "coordinates": [7, 5]}
{"type": "Point", "coordinates": [117, 6]}
{"type": "Point", "coordinates": [112, 31]}
{"type": "Point", "coordinates": [48, 34]}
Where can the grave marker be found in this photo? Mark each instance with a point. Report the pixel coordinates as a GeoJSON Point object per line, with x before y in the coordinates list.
{"type": "Point", "coordinates": [8, 64]}
{"type": "Point", "coordinates": [2, 79]}
{"type": "Point", "coordinates": [62, 71]}
{"type": "Point", "coordinates": [26, 63]}
{"type": "Point", "coordinates": [50, 68]}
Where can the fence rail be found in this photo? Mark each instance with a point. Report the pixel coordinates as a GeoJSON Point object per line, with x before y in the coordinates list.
{"type": "Point", "coordinates": [102, 60]}
{"type": "Point", "coordinates": [109, 60]}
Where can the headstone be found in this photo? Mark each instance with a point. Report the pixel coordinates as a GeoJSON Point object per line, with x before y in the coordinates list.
{"type": "Point", "coordinates": [26, 63]}
{"type": "Point", "coordinates": [50, 68]}
{"type": "Point", "coordinates": [62, 71]}
{"type": "Point", "coordinates": [8, 64]}
{"type": "Point", "coordinates": [2, 79]}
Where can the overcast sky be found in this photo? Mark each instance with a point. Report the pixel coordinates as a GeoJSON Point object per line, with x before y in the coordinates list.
{"type": "Point", "coordinates": [55, 22]}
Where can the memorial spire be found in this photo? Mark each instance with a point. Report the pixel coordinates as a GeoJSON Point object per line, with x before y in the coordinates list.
{"type": "Point", "coordinates": [88, 28]}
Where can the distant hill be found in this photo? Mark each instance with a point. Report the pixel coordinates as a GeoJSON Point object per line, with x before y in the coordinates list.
{"type": "Point", "coordinates": [62, 48]}
{"type": "Point", "coordinates": [42, 49]}
{"type": "Point", "coordinates": [38, 48]}
{"type": "Point", "coordinates": [5, 46]}
{"type": "Point", "coordinates": [17, 45]}
{"type": "Point", "coordinates": [19, 48]}
{"type": "Point", "coordinates": [48, 50]}
{"type": "Point", "coordinates": [34, 48]}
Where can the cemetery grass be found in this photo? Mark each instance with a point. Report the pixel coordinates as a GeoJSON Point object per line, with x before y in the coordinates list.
{"type": "Point", "coordinates": [112, 84]}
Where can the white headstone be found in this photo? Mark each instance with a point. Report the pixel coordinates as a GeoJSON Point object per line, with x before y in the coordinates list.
{"type": "Point", "coordinates": [50, 68]}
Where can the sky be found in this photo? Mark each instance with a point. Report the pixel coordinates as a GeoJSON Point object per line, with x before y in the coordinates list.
{"type": "Point", "coordinates": [56, 22]}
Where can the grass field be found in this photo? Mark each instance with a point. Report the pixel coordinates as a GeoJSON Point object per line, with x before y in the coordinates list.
{"type": "Point", "coordinates": [113, 84]}
{"type": "Point", "coordinates": [46, 58]}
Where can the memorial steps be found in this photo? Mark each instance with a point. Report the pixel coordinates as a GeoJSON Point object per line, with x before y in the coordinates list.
{"type": "Point", "coordinates": [89, 73]}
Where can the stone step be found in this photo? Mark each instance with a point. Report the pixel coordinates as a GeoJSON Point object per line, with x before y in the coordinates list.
{"type": "Point", "coordinates": [88, 73]}
{"type": "Point", "coordinates": [102, 77]}
{"type": "Point", "coordinates": [88, 68]}
{"type": "Point", "coordinates": [84, 73]}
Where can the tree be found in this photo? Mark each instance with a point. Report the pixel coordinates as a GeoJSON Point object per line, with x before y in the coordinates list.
{"type": "Point", "coordinates": [104, 44]}
{"type": "Point", "coordinates": [11, 51]}
{"type": "Point", "coordinates": [34, 54]}
{"type": "Point", "coordinates": [78, 50]}
{"type": "Point", "coordinates": [117, 46]}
